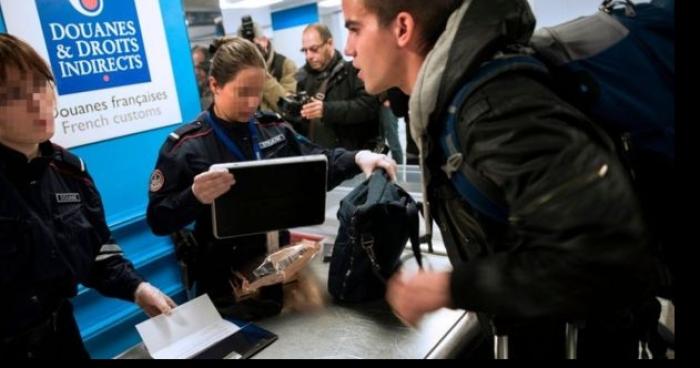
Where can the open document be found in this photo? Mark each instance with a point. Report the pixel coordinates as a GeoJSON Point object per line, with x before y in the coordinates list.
{"type": "Point", "coordinates": [190, 329]}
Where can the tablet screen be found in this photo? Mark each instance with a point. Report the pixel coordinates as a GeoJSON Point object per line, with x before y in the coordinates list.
{"type": "Point", "coordinates": [271, 195]}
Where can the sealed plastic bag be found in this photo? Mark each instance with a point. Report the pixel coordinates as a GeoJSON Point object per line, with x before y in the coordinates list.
{"type": "Point", "coordinates": [281, 266]}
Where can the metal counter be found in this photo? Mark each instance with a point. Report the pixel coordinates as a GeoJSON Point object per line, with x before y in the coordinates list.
{"type": "Point", "coordinates": [312, 325]}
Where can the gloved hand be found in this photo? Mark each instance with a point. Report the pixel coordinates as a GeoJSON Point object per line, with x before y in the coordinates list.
{"type": "Point", "coordinates": [369, 161]}
{"type": "Point", "coordinates": [210, 185]}
{"type": "Point", "coordinates": [152, 300]}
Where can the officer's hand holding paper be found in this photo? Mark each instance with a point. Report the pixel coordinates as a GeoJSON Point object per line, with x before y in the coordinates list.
{"type": "Point", "coordinates": [189, 330]}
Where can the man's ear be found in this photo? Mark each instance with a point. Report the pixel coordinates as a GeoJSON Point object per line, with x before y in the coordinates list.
{"type": "Point", "coordinates": [404, 29]}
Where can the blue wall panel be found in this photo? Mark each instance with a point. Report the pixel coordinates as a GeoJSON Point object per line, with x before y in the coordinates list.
{"type": "Point", "coordinates": [2, 22]}
{"type": "Point", "coordinates": [294, 17]}
{"type": "Point", "coordinates": [121, 168]}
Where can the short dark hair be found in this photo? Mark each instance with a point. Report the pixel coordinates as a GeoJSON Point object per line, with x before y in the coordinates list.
{"type": "Point", "coordinates": [15, 53]}
{"type": "Point", "coordinates": [322, 30]}
{"type": "Point", "coordinates": [430, 19]}
{"type": "Point", "coordinates": [233, 54]}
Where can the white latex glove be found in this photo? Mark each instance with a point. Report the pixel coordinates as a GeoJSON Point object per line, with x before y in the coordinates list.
{"type": "Point", "coordinates": [368, 161]}
{"type": "Point", "coordinates": [152, 300]}
{"type": "Point", "coordinates": [210, 185]}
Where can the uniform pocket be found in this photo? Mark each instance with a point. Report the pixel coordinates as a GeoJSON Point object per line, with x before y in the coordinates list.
{"type": "Point", "coordinates": [76, 237]}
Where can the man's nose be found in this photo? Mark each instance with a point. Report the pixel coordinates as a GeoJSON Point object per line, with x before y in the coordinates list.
{"type": "Point", "coordinates": [349, 51]}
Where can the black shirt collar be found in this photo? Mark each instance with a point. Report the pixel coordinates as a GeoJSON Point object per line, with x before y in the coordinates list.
{"type": "Point", "coordinates": [238, 129]}
{"type": "Point", "coordinates": [18, 169]}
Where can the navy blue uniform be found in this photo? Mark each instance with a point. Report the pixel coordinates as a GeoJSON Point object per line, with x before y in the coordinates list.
{"type": "Point", "coordinates": [191, 150]}
{"type": "Point", "coordinates": [53, 235]}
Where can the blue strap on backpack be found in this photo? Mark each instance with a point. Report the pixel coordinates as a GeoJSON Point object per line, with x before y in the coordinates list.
{"type": "Point", "coordinates": [617, 66]}
{"type": "Point", "coordinates": [477, 190]}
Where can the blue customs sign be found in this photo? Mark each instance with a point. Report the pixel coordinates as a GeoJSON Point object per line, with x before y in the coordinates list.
{"type": "Point", "coordinates": [93, 44]}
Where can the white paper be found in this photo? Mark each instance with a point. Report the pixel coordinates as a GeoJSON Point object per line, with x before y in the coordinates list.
{"type": "Point", "coordinates": [191, 328]}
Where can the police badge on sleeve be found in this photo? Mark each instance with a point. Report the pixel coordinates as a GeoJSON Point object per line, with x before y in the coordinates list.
{"type": "Point", "coordinates": [157, 181]}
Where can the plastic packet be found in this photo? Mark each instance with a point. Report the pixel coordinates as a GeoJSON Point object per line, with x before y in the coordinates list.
{"type": "Point", "coordinates": [278, 267]}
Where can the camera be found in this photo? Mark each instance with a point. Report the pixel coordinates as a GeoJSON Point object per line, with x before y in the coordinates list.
{"type": "Point", "coordinates": [247, 28]}
{"type": "Point", "coordinates": [290, 106]}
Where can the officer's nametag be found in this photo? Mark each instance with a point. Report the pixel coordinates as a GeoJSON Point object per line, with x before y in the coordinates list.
{"type": "Point", "coordinates": [272, 141]}
{"type": "Point", "coordinates": [64, 198]}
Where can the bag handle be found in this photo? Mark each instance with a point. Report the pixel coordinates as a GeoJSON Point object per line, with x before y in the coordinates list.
{"type": "Point", "coordinates": [412, 213]}
{"type": "Point", "coordinates": [378, 183]}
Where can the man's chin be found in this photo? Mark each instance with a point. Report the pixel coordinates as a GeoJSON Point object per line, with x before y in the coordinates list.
{"type": "Point", "coordinates": [372, 89]}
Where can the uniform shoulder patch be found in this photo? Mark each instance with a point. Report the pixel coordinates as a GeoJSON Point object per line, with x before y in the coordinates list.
{"type": "Point", "coordinates": [185, 130]}
{"type": "Point", "coordinates": [69, 159]}
{"type": "Point", "coordinates": [157, 181]}
{"type": "Point", "coordinates": [265, 117]}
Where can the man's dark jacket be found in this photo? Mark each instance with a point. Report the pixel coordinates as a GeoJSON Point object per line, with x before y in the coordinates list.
{"type": "Point", "coordinates": [350, 115]}
{"type": "Point", "coordinates": [575, 247]}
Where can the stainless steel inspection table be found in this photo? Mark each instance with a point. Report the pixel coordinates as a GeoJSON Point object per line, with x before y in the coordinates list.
{"type": "Point", "coordinates": [312, 325]}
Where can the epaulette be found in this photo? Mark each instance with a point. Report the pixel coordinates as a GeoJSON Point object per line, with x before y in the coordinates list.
{"type": "Point", "coordinates": [184, 130]}
{"type": "Point", "coordinates": [266, 117]}
{"type": "Point", "coordinates": [69, 159]}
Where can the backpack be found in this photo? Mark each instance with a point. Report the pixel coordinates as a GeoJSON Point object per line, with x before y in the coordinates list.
{"type": "Point", "coordinates": [376, 218]}
{"type": "Point", "coordinates": [617, 66]}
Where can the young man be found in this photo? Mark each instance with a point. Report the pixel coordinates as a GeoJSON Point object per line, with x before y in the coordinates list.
{"type": "Point", "coordinates": [53, 232]}
{"type": "Point", "coordinates": [573, 250]}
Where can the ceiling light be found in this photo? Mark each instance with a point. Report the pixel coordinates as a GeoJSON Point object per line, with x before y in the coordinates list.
{"type": "Point", "coordinates": [246, 4]}
{"type": "Point", "coordinates": [329, 3]}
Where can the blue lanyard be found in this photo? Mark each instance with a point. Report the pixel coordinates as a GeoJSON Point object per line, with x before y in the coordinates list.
{"type": "Point", "coordinates": [228, 142]}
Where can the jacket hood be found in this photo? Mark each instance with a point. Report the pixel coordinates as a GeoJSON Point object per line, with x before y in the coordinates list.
{"type": "Point", "coordinates": [473, 34]}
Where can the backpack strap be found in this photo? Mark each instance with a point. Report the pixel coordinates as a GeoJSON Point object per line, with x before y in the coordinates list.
{"type": "Point", "coordinates": [481, 193]}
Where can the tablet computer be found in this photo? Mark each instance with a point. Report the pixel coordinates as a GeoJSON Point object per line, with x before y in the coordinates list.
{"type": "Point", "coordinates": [243, 344]}
{"type": "Point", "coordinates": [270, 195]}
